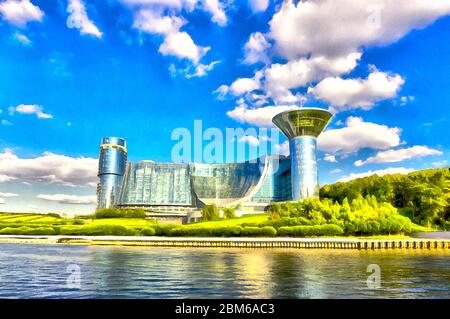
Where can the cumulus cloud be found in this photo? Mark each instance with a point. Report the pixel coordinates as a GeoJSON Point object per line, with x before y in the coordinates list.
{"type": "Point", "coordinates": [258, 5]}
{"type": "Point", "coordinates": [20, 12]}
{"type": "Point", "coordinates": [69, 199]}
{"type": "Point", "coordinates": [330, 158]}
{"type": "Point", "coordinates": [280, 78]}
{"type": "Point", "coordinates": [163, 17]}
{"type": "Point", "coordinates": [49, 168]}
{"type": "Point", "coordinates": [394, 156]}
{"type": "Point", "coordinates": [345, 94]}
{"type": "Point", "coordinates": [357, 135]}
{"type": "Point", "coordinates": [150, 21]}
{"type": "Point", "coordinates": [258, 116]}
{"type": "Point", "coordinates": [32, 109]}
{"type": "Point", "coordinates": [381, 172]}
{"type": "Point", "coordinates": [181, 45]}
{"type": "Point", "coordinates": [331, 28]}
{"type": "Point", "coordinates": [255, 50]}
{"type": "Point", "coordinates": [216, 9]}
{"type": "Point", "coordinates": [8, 194]}
{"type": "Point", "coordinates": [79, 19]}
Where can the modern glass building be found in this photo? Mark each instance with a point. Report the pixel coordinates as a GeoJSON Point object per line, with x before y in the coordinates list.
{"type": "Point", "coordinates": [183, 187]}
{"type": "Point", "coordinates": [302, 127]}
{"type": "Point", "coordinates": [111, 168]}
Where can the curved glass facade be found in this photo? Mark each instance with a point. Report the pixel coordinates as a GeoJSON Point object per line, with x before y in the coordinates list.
{"type": "Point", "coordinates": [111, 168]}
{"type": "Point", "coordinates": [225, 184]}
{"type": "Point", "coordinates": [276, 183]}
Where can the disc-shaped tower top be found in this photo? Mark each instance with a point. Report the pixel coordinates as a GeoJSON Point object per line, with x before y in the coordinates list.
{"type": "Point", "coordinates": [302, 122]}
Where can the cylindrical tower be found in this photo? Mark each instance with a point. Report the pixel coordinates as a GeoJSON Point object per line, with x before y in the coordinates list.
{"type": "Point", "coordinates": [111, 169]}
{"type": "Point", "coordinates": [302, 127]}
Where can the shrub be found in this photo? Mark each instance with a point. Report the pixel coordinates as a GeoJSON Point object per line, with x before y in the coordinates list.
{"type": "Point", "coordinates": [259, 231]}
{"type": "Point", "coordinates": [147, 231]}
{"type": "Point", "coordinates": [119, 213]}
{"type": "Point", "coordinates": [210, 212]}
{"type": "Point", "coordinates": [164, 229]}
{"type": "Point", "coordinates": [233, 231]}
{"type": "Point", "coordinates": [78, 222]}
{"type": "Point", "coordinates": [307, 231]}
{"type": "Point", "coordinates": [229, 213]}
{"type": "Point", "coordinates": [23, 230]}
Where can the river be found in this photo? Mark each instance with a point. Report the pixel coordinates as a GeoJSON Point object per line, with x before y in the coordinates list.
{"type": "Point", "coordinates": [76, 271]}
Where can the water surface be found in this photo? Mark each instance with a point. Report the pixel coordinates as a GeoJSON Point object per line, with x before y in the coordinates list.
{"type": "Point", "coordinates": [51, 271]}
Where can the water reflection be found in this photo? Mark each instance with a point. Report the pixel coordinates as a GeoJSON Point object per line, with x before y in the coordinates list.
{"type": "Point", "coordinates": [32, 271]}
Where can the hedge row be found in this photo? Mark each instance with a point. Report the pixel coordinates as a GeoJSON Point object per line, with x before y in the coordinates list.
{"type": "Point", "coordinates": [119, 213]}
{"type": "Point", "coordinates": [87, 230]}
{"type": "Point", "coordinates": [306, 231]}
{"type": "Point", "coordinates": [181, 231]}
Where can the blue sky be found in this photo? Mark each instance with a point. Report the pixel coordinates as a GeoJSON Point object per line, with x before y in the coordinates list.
{"type": "Point", "coordinates": [73, 71]}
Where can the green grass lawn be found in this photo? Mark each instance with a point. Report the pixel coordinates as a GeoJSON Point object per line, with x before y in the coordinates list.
{"type": "Point", "coordinates": [121, 221]}
{"type": "Point", "coordinates": [28, 219]}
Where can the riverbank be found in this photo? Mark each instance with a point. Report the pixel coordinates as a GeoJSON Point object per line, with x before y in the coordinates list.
{"type": "Point", "coordinates": [241, 242]}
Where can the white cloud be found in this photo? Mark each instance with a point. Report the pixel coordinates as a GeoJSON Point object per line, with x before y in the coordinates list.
{"type": "Point", "coordinates": [32, 109]}
{"type": "Point", "coordinates": [244, 85]}
{"type": "Point", "coordinates": [20, 12]}
{"type": "Point", "coordinates": [23, 39]}
{"type": "Point", "coordinates": [280, 78]}
{"type": "Point", "coordinates": [69, 199]}
{"type": "Point", "coordinates": [258, 5]}
{"type": "Point", "coordinates": [331, 28]}
{"type": "Point", "coordinates": [150, 21]}
{"type": "Point", "coordinates": [255, 50]}
{"type": "Point", "coordinates": [381, 172]}
{"type": "Point", "coordinates": [6, 178]}
{"type": "Point", "coordinates": [282, 148]}
{"type": "Point", "coordinates": [217, 11]}
{"type": "Point", "coordinates": [406, 99]}
{"type": "Point", "coordinates": [202, 69]}
{"type": "Point", "coordinates": [394, 156]}
{"type": "Point", "coordinates": [440, 163]}
{"type": "Point", "coordinates": [357, 135]}
{"type": "Point", "coordinates": [250, 139]}
{"type": "Point", "coordinates": [163, 17]}
{"type": "Point", "coordinates": [257, 116]}
{"type": "Point", "coordinates": [330, 158]}
{"type": "Point", "coordinates": [79, 19]}
{"type": "Point", "coordinates": [49, 168]}
{"type": "Point", "coordinates": [181, 45]}
{"type": "Point", "coordinates": [8, 194]}
{"type": "Point", "coordinates": [2, 201]}
{"type": "Point", "coordinates": [357, 93]}
{"type": "Point", "coordinates": [336, 171]}
{"type": "Point", "coordinates": [6, 123]}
